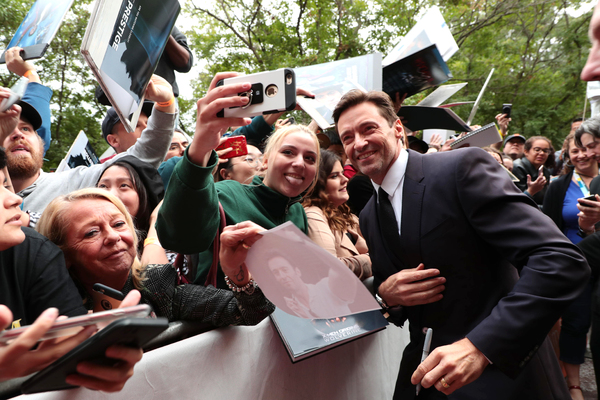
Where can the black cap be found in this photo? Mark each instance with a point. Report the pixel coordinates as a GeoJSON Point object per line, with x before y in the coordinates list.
{"type": "Point", "coordinates": [29, 113]}
{"type": "Point", "coordinates": [513, 136]}
{"type": "Point", "coordinates": [111, 118]}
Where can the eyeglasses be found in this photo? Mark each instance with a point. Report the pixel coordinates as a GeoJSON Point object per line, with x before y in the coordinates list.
{"type": "Point", "coordinates": [254, 162]}
{"type": "Point", "coordinates": [540, 150]}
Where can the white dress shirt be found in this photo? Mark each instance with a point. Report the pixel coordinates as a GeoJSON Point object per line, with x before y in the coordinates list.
{"type": "Point", "coordinates": [393, 183]}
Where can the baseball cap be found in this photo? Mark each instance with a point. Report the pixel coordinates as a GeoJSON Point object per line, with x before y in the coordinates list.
{"type": "Point", "coordinates": [514, 135]}
{"type": "Point", "coordinates": [29, 113]}
{"type": "Point", "coordinates": [111, 118]}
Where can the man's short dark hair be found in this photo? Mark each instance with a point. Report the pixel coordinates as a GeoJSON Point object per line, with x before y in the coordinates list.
{"type": "Point", "coordinates": [591, 126]}
{"type": "Point", "coordinates": [355, 97]}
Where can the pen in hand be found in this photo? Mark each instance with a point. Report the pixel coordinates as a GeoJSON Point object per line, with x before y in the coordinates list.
{"type": "Point", "coordinates": [426, 348]}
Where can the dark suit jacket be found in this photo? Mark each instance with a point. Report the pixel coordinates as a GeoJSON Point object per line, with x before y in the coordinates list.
{"type": "Point", "coordinates": [462, 215]}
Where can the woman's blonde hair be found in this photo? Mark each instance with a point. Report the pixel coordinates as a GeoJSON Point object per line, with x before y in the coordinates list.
{"type": "Point", "coordinates": [54, 223]}
{"type": "Point", "coordinates": [274, 143]}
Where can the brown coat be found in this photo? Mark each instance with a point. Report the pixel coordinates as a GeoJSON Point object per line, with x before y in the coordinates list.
{"type": "Point", "coordinates": [356, 257]}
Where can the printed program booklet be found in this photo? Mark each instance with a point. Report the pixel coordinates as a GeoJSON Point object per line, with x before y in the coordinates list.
{"type": "Point", "coordinates": [431, 29]}
{"type": "Point", "coordinates": [417, 118]}
{"type": "Point", "coordinates": [80, 153]}
{"type": "Point", "coordinates": [484, 136]}
{"type": "Point", "coordinates": [123, 44]}
{"type": "Point", "coordinates": [415, 73]}
{"type": "Point", "coordinates": [304, 338]}
{"type": "Point", "coordinates": [38, 28]}
{"type": "Point", "coordinates": [303, 279]}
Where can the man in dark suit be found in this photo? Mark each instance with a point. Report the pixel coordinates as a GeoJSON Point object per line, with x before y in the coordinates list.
{"type": "Point", "coordinates": [445, 233]}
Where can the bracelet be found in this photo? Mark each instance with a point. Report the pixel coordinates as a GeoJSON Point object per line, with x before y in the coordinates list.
{"type": "Point", "coordinates": [166, 103]}
{"type": "Point", "coordinates": [151, 240]}
{"type": "Point", "coordinates": [248, 287]}
{"type": "Point", "coordinates": [29, 72]}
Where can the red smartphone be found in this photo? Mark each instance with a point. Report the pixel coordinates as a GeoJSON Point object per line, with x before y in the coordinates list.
{"type": "Point", "coordinates": [238, 143]}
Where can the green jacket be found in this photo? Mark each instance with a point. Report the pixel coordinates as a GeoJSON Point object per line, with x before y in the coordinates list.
{"type": "Point", "coordinates": [189, 217]}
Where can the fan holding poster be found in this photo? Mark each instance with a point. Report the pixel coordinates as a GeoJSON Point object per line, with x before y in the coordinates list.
{"type": "Point", "coordinates": [39, 27]}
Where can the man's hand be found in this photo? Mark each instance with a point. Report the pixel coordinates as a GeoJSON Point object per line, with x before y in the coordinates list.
{"type": "Point", "coordinates": [16, 64]}
{"type": "Point", "coordinates": [459, 364]}
{"type": "Point", "coordinates": [413, 287]}
{"type": "Point", "coordinates": [209, 127]}
{"type": "Point", "coordinates": [535, 186]}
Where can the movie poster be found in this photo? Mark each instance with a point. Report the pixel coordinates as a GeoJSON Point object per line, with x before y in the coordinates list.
{"type": "Point", "coordinates": [40, 24]}
{"type": "Point", "coordinates": [137, 42]}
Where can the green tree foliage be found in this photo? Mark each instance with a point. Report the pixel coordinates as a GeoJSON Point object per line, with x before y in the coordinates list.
{"type": "Point", "coordinates": [537, 50]}
{"type": "Point", "coordinates": [537, 47]}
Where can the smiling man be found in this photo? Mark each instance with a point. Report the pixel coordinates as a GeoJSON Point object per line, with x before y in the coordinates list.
{"type": "Point", "coordinates": [445, 233]}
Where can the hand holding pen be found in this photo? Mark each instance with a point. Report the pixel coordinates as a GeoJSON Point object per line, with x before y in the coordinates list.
{"type": "Point", "coordinates": [426, 348]}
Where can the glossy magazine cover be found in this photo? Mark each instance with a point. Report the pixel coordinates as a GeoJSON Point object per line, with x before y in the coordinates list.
{"type": "Point", "coordinates": [39, 27]}
{"type": "Point", "coordinates": [138, 39]}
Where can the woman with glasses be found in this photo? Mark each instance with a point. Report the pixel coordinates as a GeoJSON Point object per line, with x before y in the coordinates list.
{"type": "Point", "coordinates": [242, 168]}
{"type": "Point", "coordinates": [575, 216]}
{"type": "Point", "coordinates": [531, 169]}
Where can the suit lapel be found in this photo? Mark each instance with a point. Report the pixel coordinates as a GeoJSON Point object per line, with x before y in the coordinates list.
{"type": "Point", "coordinates": [412, 207]}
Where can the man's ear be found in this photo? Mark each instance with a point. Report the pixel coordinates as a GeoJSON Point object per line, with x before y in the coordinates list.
{"type": "Point", "coordinates": [113, 140]}
{"type": "Point", "coordinates": [401, 133]}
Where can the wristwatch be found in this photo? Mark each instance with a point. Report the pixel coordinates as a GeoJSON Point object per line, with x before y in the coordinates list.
{"type": "Point", "coordinates": [381, 302]}
{"type": "Point", "coordinates": [584, 234]}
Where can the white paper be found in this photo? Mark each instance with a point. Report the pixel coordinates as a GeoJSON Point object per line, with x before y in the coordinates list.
{"type": "Point", "coordinates": [444, 134]}
{"type": "Point", "coordinates": [441, 94]}
{"type": "Point", "coordinates": [431, 29]}
{"type": "Point", "coordinates": [303, 279]}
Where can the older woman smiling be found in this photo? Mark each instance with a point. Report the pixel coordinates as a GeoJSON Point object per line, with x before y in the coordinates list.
{"type": "Point", "coordinates": [96, 233]}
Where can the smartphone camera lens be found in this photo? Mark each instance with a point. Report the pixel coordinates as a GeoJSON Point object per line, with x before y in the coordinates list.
{"type": "Point", "coordinates": [271, 90]}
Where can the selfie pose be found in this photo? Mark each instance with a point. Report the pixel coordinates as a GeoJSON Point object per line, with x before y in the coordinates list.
{"type": "Point", "coordinates": [291, 161]}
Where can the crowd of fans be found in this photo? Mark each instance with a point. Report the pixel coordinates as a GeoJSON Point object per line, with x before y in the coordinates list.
{"type": "Point", "coordinates": [171, 218]}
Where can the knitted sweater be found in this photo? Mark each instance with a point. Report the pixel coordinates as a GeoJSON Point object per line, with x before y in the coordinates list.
{"type": "Point", "coordinates": [192, 189]}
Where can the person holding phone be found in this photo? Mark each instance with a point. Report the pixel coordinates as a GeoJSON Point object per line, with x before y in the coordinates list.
{"type": "Point", "coordinates": [33, 278]}
{"type": "Point", "coordinates": [291, 160]}
{"type": "Point", "coordinates": [97, 235]}
{"type": "Point", "coordinates": [564, 202]}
